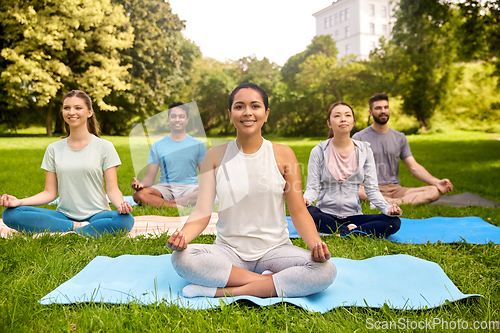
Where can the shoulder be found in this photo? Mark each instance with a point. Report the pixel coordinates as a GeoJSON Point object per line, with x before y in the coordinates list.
{"type": "Point", "coordinates": [361, 145]}
{"type": "Point", "coordinates": [58, 144]}
{"type": "Point", "coordinates": [361, 134]}
{"type": "Point", "coordinates": [283, 153]}
{"type": "Point", "coordinates": [216, 154]}
{"type": "Point", "coordinates": [393, 131]}
{"type": "Point", "coordinates": [399, 135]}
{"type": "Point", "coordinates": [101, 143]}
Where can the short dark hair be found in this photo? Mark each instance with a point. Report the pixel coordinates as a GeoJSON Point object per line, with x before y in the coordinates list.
{"type": "Point", "coordinates": [334, 105]}
{"type": "Point", "coordinates": [253, 86]}
{"type": "Point", "coordinates": [377, 97]}
{"type": "Point", "coordinates": [178, 105]}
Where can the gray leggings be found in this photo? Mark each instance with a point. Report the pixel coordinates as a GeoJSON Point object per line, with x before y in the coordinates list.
{"type": "Point", "coordinates": [296, 274]}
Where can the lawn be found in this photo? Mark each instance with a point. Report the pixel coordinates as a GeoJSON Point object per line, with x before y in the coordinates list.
{"type": "Point", "coordinates": [30, 268]}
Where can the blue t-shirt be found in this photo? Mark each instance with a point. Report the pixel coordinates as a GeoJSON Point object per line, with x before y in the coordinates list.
{"type": "Point", "coordinates": [178, 160]}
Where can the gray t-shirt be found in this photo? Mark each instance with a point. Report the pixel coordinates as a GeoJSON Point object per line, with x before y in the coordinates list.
{"type": "Point", "coordinates": [387, 149]}
{"type": "Point", "coordinates": [80, 176]}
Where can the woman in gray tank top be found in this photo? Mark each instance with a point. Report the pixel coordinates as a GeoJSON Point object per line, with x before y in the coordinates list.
{"type": "Point", "coordinates": [252, 254]}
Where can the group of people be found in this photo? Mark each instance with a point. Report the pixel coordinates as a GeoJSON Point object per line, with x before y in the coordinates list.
{"type": "Point", "coordinates": [251, 177]}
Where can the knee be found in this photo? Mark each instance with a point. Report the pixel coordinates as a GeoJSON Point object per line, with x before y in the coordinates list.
{"type": "Point", "coordinates": [330, 272]}
{"type": "Point", "coordinates": [124, 221]}
{"type": "Point", "coordinates": [395, 224]}
{"type": "Point", "coordinates": [433, 194]}
{"type": "Point", "coordinates": [11, 214]}
{"type": "Point", "coordinates": [138, 197]}
{"type": "Point", "coordinates": [325, 273]}
{"type": "Point", "coordinates": [181, 262]}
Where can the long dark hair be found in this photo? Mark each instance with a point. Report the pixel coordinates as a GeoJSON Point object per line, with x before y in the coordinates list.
{"type": "Point", "coordinates": [334, 105]}
{"type": "Point", "coordinates": [92, 123]}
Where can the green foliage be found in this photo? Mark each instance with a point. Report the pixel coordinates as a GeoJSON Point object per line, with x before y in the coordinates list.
{"type": "Point", "coordinates": [61, 45]}
{"type": "Point", "coordinates": [158, 62]}
{"type": "Point", "coordinates": [479, 33]}
{"type": "Point", "coordinates": [425, 50]}
{"type": "Point", "coordinates": [213, 81]}
{"type": "Point", "coordinates": [32, 267]}
{"type": "Point", "coordinates": [474, 103]}
{"type": "Point", "coordinates": [320, 44]}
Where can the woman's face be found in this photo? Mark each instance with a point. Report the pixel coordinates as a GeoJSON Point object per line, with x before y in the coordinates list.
{"type": "Point", "coordinates": [75, 112]}
{"type": "Point", "coordinates": [248, 112]}
{"type": "Point", "coordinates": [341, 119]}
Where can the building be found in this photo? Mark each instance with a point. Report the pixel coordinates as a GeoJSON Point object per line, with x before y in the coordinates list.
{"type": "Point", "coordinates": [355, 25]}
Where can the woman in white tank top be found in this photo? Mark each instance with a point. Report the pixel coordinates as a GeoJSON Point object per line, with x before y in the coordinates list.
{"type": "Point", "coordinates": [251, 177]}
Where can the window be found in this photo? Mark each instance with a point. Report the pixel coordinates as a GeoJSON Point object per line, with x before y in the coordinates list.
{"type": "Point", "coordinates": [326, 22]}
{"type": "Point", "coordinates": [372, 46]}
{"type": "Point", "coordinates": [347, 49]}
{"type": "Point", "coordinates": [384, 29]}
{"type": "Point", "coordinates": [347, 32]}
{"type": "Point", "coordinates": [331, 21]}
{"type": "Point", "coordinates": [346, 14]}
{"type": "Point", "coordinates": [371, 10]}
{"type": "Point", "coordinates": [336, 18]}
{"type": "Point", "coordinates": [336, 34]}
{"type": "Point", "coordinates": [341, 16]}
{"type": "Point", "coordinates": [372, 28]}
{"type": "Point", "coordinates": [383, 11]}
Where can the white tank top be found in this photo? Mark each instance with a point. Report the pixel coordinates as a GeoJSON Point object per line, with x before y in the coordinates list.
{"type": "Point", "coordinates": [251, 196]}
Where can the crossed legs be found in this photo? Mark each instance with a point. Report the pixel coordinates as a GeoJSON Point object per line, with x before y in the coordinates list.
{"type": "Point", "coordinates": [220, 269]}
{"type": "Point", "coordinates": [411, 195]}
{"type": "Point", "coordinates": [152, 197]}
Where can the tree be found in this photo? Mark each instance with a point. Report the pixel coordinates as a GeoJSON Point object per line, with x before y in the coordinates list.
{"type": "Point", "coordinates": [320, 44]}
{"type": "Point", "coordinates": [425, 48]}
{"type": "Point", "coordinates": [479, 33]}
{"type": "Point", "coordinates": [62, 45]}
{"type": "Point", "coordinates": [213, 81]}
{"type": "Point", "coordinates": [158, 62]}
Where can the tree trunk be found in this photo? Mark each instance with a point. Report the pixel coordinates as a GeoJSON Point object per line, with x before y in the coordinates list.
{"type": "Point", "coordinates": [423, 124]}
{"type": "Point", "coordinates": [48, 119]}
{"type": "Point", "coordinates": [59, 127]}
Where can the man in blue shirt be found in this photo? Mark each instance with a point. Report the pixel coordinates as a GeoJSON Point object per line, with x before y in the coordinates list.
{"type": "Point", "coordinates": [178, 156]}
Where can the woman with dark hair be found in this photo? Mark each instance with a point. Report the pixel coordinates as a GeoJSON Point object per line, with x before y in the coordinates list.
{"type": "Point", "coordinates": [336, 169]}
{"type": "Point", "coordinates": [76, 168]}
{"type": "Point", "coordinates": [252, 254]}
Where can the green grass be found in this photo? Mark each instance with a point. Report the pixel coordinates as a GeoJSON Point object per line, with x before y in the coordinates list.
{"type": "Point", "coordinates": [30, 268]}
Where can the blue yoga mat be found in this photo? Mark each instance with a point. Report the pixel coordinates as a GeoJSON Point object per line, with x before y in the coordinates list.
{"type": "Point", "coordinates": [400, 281]}
{"type": "Point", "coordinates": [471, 229]}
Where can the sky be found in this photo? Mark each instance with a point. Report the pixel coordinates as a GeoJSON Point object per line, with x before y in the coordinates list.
{"type": "Point", "coordinates": [233, 29]}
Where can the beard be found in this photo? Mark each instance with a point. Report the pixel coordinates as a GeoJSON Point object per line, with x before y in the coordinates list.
{"type": "Point", "coordinates": [380, 121]}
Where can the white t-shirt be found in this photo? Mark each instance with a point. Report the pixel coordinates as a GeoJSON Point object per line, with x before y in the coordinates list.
{"type": "Point", "coordinates": [80, 176]}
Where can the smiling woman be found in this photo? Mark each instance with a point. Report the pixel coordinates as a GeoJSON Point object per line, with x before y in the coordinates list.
{"type": "Point", "coordinates": [252, 254]}
{"type": "Point", "coordinates": [75, 168]}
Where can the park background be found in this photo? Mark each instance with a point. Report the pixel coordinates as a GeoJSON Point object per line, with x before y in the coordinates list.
{"type": "Point", "coordinates": [440, 68]}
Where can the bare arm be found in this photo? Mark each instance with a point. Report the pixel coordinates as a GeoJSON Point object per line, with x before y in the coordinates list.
{"type": "Point", "coordinates": [199, 219]}
{"type": "Point", "coordinates": [419, 172]}
{"type": "Point", "coordinates": [302, 220]}
{"type": "Point", "coordinates": [42, 198]}
{"type": "Point", "coordinates": [114, 193]}
{"type": "Point", "coordinates": [149, 178]}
